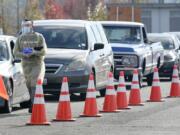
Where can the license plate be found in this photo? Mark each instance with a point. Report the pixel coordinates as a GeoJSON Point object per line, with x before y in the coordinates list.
{"type": "Point", "coordinates": [45, 81]}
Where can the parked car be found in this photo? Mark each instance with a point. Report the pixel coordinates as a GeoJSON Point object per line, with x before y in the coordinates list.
{"type": "Point", "coordinates": [177, 34]}
{"type": "Point", "coordinates": [13, 77]}
{"type": "Point", "coordinates": [132, 50]}
{"type": "Point", "coordinates": [171, 53]}
{"type": "Point", "coordinates": [76, 48]}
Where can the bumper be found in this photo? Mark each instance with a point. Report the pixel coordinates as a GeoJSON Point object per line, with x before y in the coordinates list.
{"type": "Point", "coordinates": [78, 82]}
{"type": "Point", "coordinates": [128, 72]}
{"type": "Point", "coordinates": [167, 69]}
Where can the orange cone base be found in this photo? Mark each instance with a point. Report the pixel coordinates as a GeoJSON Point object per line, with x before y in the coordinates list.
{"type": "Point", "coordinates": [61, 120]}
{"type": "Point", "coordinates": [91, 109]}
{"type": "Point", "coordinates": [125, 108]}
{"type": "Point", "coordinates": [97, 115]}
{"type": "Point", "coordinates": [110, 104]}
{"type": "Point", "coordinates": [114, 111]}
{"type": "Point", "coordinates": [122, 102]}
{"type": "Point", "coordinates": [135, 99]}
{"type": "Point", "coordinates": [175, 90]}
{"type": "Point", "coordinates": [140, 104]}
{"type": "Point", "coordinates": [155, 94]}
{"type": "Point", "coordinates": [38, 116]}
{"type": "Point", "coordinates": [64, 112]}
{"type": "Point", "coordinates": [161, 100]}
{"type": "Point", "coordinates": [44, 123]}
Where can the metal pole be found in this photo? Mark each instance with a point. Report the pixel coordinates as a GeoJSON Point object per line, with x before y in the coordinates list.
{"type": "Point", "coordinates": [117, 13]}
{"type": "Point", "coordinates": [132, 11]}
{"type": "Point", "coordinates": [17, 14]}
{"type": "Point", "coordinates": [2, 12]}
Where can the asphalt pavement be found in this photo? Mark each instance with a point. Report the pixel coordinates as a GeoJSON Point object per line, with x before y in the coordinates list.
{"type": "Point", "coordinates": [151, 119]}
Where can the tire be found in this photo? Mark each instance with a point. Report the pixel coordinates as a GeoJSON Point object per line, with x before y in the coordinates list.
{"type": "Point", "coordinates": [83, 96]}
{"type": "Point", "coordinates": [140, 77]}
{"type": "Point", "coordinates": [102, 92]}
{"type": "Point", "coordinates": [149, 79]}
{"type": "Point", "coordinates": [8, 103]}
{"type": "Point", "coordinates": [25, 104]}
{"type": "Point", "coordinates": [178, 69]}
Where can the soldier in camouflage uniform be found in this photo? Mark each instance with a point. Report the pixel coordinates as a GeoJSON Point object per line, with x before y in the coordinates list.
{"type": "Point", "coordinates": [31, 48]}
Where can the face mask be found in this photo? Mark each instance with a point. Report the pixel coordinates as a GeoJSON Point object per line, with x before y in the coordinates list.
{"type": "Point", "coordinates": [26, 30]}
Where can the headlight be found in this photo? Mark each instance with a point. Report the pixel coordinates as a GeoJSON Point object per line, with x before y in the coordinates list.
{"type": "Point", "coordinates": [130, 61]}
{"type": "Point", "coordinates": [75, 66]}
{"type": "Point", "coordinates": [169, 57]}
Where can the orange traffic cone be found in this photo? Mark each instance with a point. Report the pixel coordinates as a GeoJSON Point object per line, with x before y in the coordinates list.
{"type": "Point", "coordinates": [175, 87]}
{"type": "Point", "coordinates": [38, 116]}
{"type": "Point", "coordinates": [122, 102]}
{"type": "Point", "coordinates": [135, 95]}
{"type": "Point", "coordinates": [110, 101]}
{"type": "Point", "coordinates": [3, 91]}
{"type": "Point", "coordinates": [64, 107]}
{"type": "Point", "coordinates": [155, 89]}
{"type": "Point", "coordinates": [91, 109]}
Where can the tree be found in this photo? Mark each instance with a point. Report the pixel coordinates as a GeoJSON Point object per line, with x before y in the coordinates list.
{"type": "Point", "coordinates": [98, 14]}
{"type": "Point", "coordinates": [53, 10]}
{"type": "Point", "coordinates": [32, 11]}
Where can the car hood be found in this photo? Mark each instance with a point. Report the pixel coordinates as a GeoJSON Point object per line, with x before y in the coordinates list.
{"type": "Point", "coordinates": [4, 68]}
{"type": "Point", "coordinates": [118, 47]}
{"type": "Point", "coordinates": [64, 55]}
{"type": "Point", "coordinates": [169, 52]}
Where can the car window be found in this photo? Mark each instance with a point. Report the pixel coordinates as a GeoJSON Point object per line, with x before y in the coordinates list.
{"type": "Point", "coordinates": [123, 34]}
{"type": "Point", "coordinates": [167, 42]}
{"type": "Point", "coordinates": [101, 32]}
{"type": "Point", "coordinates": [91, 35]}
{"type": "Point", "coordinates": [64, 36]}
{"type": "Point", "coordinates": [98, 37]}
{"type": "Point", "coordinates": [3, 51]}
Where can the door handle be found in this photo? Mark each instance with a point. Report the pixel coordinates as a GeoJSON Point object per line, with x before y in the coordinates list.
{"type": "Point", "coordinates": [101, 55]}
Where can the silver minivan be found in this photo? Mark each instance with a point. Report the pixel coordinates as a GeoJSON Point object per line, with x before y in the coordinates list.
{"type": "Point", "coordinates": [76, 48]}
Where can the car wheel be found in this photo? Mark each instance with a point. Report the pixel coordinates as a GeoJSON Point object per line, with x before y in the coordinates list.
{"type": "Point", "coordinates": [149, 79]}
{"type": "Point", "coordinates": [179, 70]}
{"type": "Point", "coordinates": [140, 77]}
{"type": "Point", "coordinates": [25, 104]}
{"type": "Point", "coordinates": [102, 92]}
{"type": "Point", "coordinates": [8, 103]}
{"type": "Point", "coordinates": [83, 96]}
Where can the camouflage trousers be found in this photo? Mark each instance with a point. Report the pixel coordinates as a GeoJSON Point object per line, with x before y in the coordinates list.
{"type": "Point", "coordinates": [33, 72]}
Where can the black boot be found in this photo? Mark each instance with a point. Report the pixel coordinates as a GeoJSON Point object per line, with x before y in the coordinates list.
{"type": "Point", "coordinates": [30, 108]}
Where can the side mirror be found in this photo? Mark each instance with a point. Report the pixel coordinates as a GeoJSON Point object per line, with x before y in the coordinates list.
{"type": "Point", "coordinates": [146, 40]}
{"type": "Point", "coordinates": [98, 46]}
{"type": "Point", "coordinates": [17, 61]}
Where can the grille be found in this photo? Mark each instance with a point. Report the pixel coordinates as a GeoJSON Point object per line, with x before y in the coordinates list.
{"type": "Point", "coordinates": [53, 68]}
{"type": "Point", "coordinates": [118, 60]}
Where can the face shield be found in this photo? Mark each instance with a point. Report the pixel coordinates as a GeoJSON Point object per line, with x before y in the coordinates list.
{"type": "Point", "coordinates": [27, 27]}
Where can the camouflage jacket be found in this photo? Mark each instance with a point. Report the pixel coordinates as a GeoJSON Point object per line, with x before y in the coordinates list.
{"type": "Point", "coordinates": [36, 42]}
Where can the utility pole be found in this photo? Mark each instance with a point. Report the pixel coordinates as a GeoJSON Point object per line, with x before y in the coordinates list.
{"type": "Point", "coordinates": [117, 13]}
{"type": "Point", "coordinates": [132, 10]}
{"type": "Point", "coordinates": [2, 15]}
{"type": "Point", "coordinates": [17, 14]}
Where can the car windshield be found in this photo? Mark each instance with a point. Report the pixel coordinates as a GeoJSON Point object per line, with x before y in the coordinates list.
{"type": "Point", "coordinates": [64, 37]}
{"type": "Point", "coordinates": [3, 51]}
{"type": "Point", "coordinates": [167, 42]}
{"type": "Point", "coordinates": [123, 34]}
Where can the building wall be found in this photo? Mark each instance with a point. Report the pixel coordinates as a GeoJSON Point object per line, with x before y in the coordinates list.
{"type": "Point", "coordinates": [161, 20]}
{"type": "Point", "coordinates": [123, 14]}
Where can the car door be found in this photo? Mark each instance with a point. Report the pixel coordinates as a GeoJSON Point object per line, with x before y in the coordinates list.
{"type": "Point", "coordinates": [108, 57]}
{"type": "Point", "coordinates": [20, 89]}
{"type": "Point", "coordinates": [147, 51]}
{"type": "Point", "coordinates": [104, 67]}
{"type": "Point", "coordinates": [95, 55]}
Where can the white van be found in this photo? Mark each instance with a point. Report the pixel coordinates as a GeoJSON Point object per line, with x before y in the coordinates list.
{"type": "Point", "coordinates": [76, 48]}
